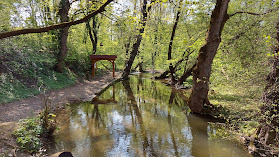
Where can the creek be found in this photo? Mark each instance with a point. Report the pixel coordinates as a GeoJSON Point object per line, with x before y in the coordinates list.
{"type": "Point", "coordinates": [140, 117]}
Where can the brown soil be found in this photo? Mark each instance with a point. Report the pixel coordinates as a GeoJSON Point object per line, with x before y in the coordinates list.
{"type": "Point", "coordinates": [10, 113]}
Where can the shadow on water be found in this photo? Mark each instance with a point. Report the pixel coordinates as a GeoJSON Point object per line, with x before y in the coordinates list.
{"type": "Point", "coordinates": [138, 117]}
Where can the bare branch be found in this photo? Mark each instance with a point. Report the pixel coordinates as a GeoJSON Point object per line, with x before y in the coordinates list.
{"type": "Point", "coordinates": [256, 14]}
{"type": "Point", "coordinates": [77, 12]}
{"type": "Point", "coordinates": [73, 2]}
{"type": "Point", "coordinates": [52, 27]}
{"type": "Point", "coordinates": [108, 17]}
{"type": "Point", "coordinates": [245, 12]}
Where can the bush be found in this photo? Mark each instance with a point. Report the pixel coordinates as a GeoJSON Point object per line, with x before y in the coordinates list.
{"type": "Point", "coordinates": [79, 62]}
{"type": "Point", "coordinates": [32, 130]}
{"type": "Point", "coordinates": [28, 134]}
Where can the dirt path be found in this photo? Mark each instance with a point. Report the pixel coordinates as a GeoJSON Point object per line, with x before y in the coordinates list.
{"type": "Point", "coordinates": [80, 92]}
{"type": "Point", "coordinates": [10, 113]}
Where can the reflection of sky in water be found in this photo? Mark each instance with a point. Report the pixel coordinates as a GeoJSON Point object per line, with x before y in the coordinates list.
{"type": "Point", "coordinates": [187, 133]}
{"type": "Point", "coordinates": [120, 137]}
{"type": "Point", "coordinates": [141, 123]}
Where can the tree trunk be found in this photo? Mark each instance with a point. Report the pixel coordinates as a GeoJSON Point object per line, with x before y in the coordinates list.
{"type": "Point", "coordinates": [93, 37]}
{"type": "Point", "coordinates": [136, 45]}
{"type": "Point", "coordinates": [95, 33]}
{"type": "Point", "coordinates": [186, 74]}
{"type": "Point", "coordinates": [133, 54]}
{"type": "Point", "coordinates": [63, 36]}
{"type": "Point", "coordinates": [171, 68]}
{"type": "Point", "coordinates": [153, 55]}
{"type": "Point", "coordinates": [165, 74]}
{"type": "Point", "coordinates": [201, 73]}
{"type": "Point", "coordinates": [90, 35]}
{"type": "Point", "coordinates": [140, 66]}
{"type": "Point", "coordinates": [127, 48]}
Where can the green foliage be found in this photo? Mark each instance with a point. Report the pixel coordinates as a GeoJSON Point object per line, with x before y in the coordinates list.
{"type": "Point", "coordinates": [26, 68]}
{"type": "Point", "coordinates": [48, 119]}
{"type": "Point", "coordinates": [28, 134]}
{"type": "Point", "coordinates": [12, 89]}
{"type": "Point", "coordinates": [32, 130]}
{"type": "Point", "coordinates": [238, 72]}
{"type": "Point", "coordinates": [55, 80]}
{"type": "Point", "coordinates": [189, 82]}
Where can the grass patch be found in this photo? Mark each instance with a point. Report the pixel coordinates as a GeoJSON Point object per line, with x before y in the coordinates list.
{"type": "Point", "coordinates": [225, 97]}
{"type": "Point", "coordinates": [14, 89]}
{"type": "Point", "coordinates": [54, 80]}
{"type": "Point", "coordinates": [240, 106]}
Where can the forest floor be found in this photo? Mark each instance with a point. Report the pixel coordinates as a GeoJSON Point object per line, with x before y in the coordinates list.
{"type": "Point", "coordinates": [11, 113]}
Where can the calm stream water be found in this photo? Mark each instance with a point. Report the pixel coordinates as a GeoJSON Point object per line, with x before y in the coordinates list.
{"type": "Point", "coordinates": [139, 117]}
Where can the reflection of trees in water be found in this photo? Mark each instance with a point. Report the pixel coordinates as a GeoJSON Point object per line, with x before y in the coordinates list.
{"type": "Point", "coordinates": [150, 141]}
{"type": "Point", "coordinates": [96, 117]}
{"type": "Point", "coordinates": [149, 89]}
{"type": "Point", "coordinates": [164, 95]}
{"type": "Point", "coordinates": [160, 95]}
{"type": "Point", "coordinates": [150, 120]}
{"type": "Point", "coordinates": [170, 123]}
{"type": "Point", "coordinates": [198, 127]}
{"type": "Point", "coordinates": [95, 121]}
{"type": "Point", "coordinates": [136, 110]}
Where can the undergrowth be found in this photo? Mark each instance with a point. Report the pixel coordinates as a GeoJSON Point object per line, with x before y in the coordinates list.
{"type": "Point", "coordinates": [24, 70]}
{"type": "Point", "coordinates": [28, 134]}
{"type": "Point", "coordinates": [33, 131]}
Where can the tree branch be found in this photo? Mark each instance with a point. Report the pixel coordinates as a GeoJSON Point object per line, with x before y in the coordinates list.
{"type": "Point", "coordinates": [73, 2]}
{"type": "Point", "coordinates": [52, 27]}
{"type": "Point", "coordinates": [108, 17]}
{"type": "Point", "coordinates": [250, 13]}
{"type": "Point", "coordinates": [245, 12]}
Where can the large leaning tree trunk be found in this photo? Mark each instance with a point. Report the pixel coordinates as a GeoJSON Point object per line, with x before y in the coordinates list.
{"type": "Point", "coordinates": [136, 45]}
{"type": "Point", "coordinates": [201, 73]}
{"type": "Point", "coordinates": [63, 35]}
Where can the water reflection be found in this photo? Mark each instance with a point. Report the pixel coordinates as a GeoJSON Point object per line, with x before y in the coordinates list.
{"type": "Point", "coordinates": [138, 117]}
{"type": "Point", "coordinates": [200, 137]}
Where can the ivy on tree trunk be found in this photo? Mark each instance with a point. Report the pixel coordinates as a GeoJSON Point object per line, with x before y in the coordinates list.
{"type": "Point", "coordinates": [63, 35]}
